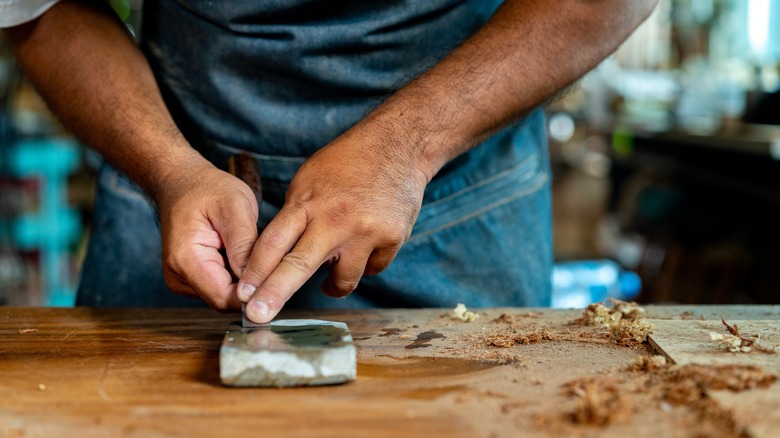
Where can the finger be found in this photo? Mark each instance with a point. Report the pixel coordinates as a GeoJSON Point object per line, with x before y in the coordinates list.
{"type": "Point", "coordinates": [236, 223]}
{"type": "Point", "coordinates": [344, 276]}
{"type": "Point", "coordinates": [205, 272]}
{"type": "Point", "coordinates": [313, 248]}
{"type": "Point", "coordinates": [212, 282]}
{"type": "Point", "coordinates": [274, 243]}
{"type": "Point", "coordinates": [380, 259]}
{"type": "Point", "coordinates": [177, 285]}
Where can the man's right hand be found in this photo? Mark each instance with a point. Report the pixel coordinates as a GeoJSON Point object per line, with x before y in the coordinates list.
{"type": "Point", "coordinates": [202, 211]}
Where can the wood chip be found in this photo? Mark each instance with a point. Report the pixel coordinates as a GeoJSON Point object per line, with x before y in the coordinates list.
{"type": "Point", "coordinates": [737, 343]}
{"type": "Point", "coordinates": [462, 314]}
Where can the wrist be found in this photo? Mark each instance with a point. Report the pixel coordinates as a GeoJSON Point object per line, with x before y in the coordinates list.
{"type": "Point", "coordinates": [408, 132]}
{"type": "Point", "coordinates": [170, 173]}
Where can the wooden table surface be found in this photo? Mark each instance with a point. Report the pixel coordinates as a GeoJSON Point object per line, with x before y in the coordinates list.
{"type": "Point", "coordinates": [155, 372]}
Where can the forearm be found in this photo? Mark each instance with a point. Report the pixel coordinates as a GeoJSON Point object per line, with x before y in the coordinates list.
{"type": "Point", "coordinates": [101, 87]}
{"type": "Point", "coordinates": [523, 56]}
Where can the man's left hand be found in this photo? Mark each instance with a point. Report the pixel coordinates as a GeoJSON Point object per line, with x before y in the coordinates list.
{"type": "Point", "coordinates": [350, 206]}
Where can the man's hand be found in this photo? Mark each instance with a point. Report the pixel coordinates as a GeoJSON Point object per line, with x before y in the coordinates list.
{"type": "Point", "coordinates": [351, 206]}
{"type": "Point", "coordinates": [202, 212]}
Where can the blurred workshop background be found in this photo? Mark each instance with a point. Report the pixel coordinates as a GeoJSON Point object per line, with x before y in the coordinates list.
{"type": "Point", "coordinates": [666, 165]}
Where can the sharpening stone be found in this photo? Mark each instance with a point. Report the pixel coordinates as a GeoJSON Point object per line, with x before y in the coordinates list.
{"type": "Point", "coordinates": [292, 352]}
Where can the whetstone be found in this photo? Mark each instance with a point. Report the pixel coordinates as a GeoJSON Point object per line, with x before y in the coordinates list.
{"type": "Point", "coordinates": [297, 352]}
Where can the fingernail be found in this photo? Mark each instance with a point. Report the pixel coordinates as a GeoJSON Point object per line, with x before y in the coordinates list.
{"type": "Point", "coordinates": [245, 292]}
{"type": "Point", "coordinates": [260, 310]}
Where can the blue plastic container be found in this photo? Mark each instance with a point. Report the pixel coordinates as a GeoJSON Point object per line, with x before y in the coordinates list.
{"type": "Point", "coordinates": [577, 284]}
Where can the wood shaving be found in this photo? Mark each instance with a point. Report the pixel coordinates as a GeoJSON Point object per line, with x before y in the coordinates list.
{"type": "Point", "coordinates": [731, 343]}
{"type": "Point", "coordinates": [625, 321]}
{"type": "Point", "coordinates": [736, 343]}
{"type": "Point", "coordinates": [629, 309]}
{"type": "Point", "coordinates": [27, 330]}
{"type": "Point", "coordinates": [594, 314]}
{"type": "Point", "coordinates": [632, 333]}
{"type": "Point", "coordinates": [462, 314]}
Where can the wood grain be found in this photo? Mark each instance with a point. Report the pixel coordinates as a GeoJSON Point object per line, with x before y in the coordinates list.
{"type": "Point", "coordinates": [154, 372]}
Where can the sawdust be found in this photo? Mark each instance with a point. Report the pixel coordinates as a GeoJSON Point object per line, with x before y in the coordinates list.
{"type": "Point", "coordinates": [732, 377]}
{"type": "Point", "coordinates": [536, 335]}
{"type": "Point", "coordinates": [649, 383]}
{"type": "Point", "coordinates": [501, 340]}
{"type": "Point", "coordinates": [600, 401]}
{"type": "Point", "coordinates": [475, 347]}
{"type": "Point", "coordinates": [506, 319]}
{"type": "Point", "coordinates": [506, 340]}
{"type": "Point", "coordinates": [648, 363]}
{"type": "Point", "coordinates": [688, 385]}
{"type": "Point", "coordinates": [593, 337]}
{"type": "Point", "coordinates": [499, 358]}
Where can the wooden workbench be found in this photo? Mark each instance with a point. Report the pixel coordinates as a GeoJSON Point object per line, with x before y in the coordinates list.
{"type": "Point", "coordinates": [155, 372]}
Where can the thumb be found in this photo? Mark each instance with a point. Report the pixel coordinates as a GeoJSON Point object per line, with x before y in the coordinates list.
{"type": "Point", "coordinates": [236, 223]}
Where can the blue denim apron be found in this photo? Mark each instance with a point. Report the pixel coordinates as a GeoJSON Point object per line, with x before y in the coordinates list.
{"type": "Point", "coordinates": [280, 79]}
